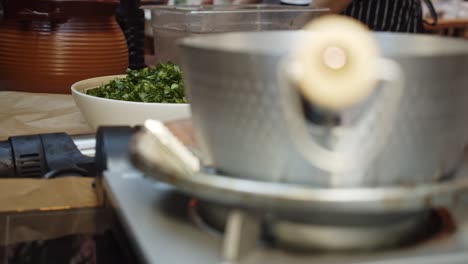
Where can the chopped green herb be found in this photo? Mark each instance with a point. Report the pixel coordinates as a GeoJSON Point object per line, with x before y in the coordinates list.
{"type": "Point", "coordinates": [160, 84]}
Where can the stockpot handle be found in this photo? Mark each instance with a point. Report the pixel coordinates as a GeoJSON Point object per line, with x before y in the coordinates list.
{"type": "Point", "coordinates": [336, 67]}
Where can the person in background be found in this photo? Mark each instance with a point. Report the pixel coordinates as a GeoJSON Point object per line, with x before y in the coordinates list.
{"type": "Point", "coordinates": [380, 15]}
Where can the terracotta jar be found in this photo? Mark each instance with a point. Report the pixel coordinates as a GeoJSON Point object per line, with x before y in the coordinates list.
{"type": "Point", "coordinates": [46, 45]}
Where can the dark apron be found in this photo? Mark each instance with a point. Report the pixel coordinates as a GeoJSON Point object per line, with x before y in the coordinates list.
{"type": "Point", "coordinates": [390, 15]}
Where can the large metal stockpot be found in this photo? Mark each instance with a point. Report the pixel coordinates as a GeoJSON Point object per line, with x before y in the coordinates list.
{"type": "Point", "coordinates": [238, 111]}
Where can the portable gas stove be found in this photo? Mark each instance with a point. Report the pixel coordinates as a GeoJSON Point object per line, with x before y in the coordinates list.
{"type": "Point", "coordinates": [165, 226]}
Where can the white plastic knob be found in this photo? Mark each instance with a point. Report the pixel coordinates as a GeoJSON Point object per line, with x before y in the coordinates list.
{"type": "Point", "coordinates": [335, 64]}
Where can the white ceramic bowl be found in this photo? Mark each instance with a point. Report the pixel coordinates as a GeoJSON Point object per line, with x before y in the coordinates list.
{"type": "Point", "coordinates": [107, 112]}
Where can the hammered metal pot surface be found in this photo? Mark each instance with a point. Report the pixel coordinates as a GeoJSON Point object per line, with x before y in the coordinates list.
{"type": "Point", "coordinates": [234, 95]}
